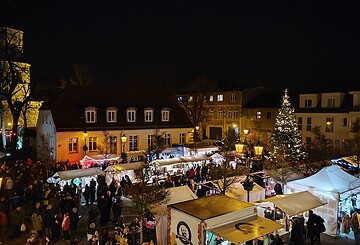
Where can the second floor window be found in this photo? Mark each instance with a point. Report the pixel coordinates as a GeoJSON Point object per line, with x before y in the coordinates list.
{"type": "Point", "coordinates": [258, 115]}
{"type": "Point", "coordinates": [229, 114]}
{"type": "Point", "coordinates": [133, 143]}
{"type": "Point", "coordinates": [182, 138]}
{"type": "Point", "coordinates": [329, 125]}
{"type": "Point", "coordinates": [113, 144]}
{"type": "Point", "coordinates": [167, 138]}
{"type": "Point", "coordinates": [148, 115]}
{"type": "Point", "coordinates": [73, 145]}
{"type": "Point", "coordinates": [220, 97]}
{"type": "Point", "coordinates": [308, 124]}
{"type": "Point", "coordinates": [232, 97]}
{"type": "Point", "coordinates": [90, 115]}
{"type": "Point", "coordinates": [92, 143]}
{"type": "Point", "coordinates": [308, 103]}
{"type": "Point", "coordinates": [236, 115]}
{"type": "Point", "coordinates": [131, 115]}
{"type": "Point", "coordinates": [300, 122]}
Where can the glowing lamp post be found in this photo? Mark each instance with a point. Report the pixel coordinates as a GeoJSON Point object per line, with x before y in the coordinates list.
{"type": "Point", "coordinates": [123, 140]}
{"type": "Point", "coordinates": [248, 185]}
{"type": "Point", "coordinates": [85, 148]}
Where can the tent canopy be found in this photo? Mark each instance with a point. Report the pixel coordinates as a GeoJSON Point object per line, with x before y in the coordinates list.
{"type": "Point", "coordinates": [295, 203]}
{"type": "Point", "coordinates": [177, 194]}
{"type": "Point", "coordinates": [77, 173]}
{"type": "Point", "coordinates": [124, 166]}
{"type": "Point", "coordinates": [329, 179]}
{"type": "Point", "coordinates": [246, 230]}
{"type": "Point", "coordinates": [185, 159]}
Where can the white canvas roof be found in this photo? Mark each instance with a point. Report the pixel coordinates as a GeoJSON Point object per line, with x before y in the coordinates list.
{"type": "Point", "coordinates": [123, 166]}
{"type": "Point", "coordinates": [184, 159]}
{"type": "Point", "coordinates": [295, 203]}
{"type": "Point", "coordinates": [77, 173]}
{"type": "Point", "coordinates": [329, 179]}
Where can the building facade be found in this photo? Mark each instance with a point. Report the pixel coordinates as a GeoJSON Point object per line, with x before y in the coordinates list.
{"type": "Point", "coordinates": [116, 119]}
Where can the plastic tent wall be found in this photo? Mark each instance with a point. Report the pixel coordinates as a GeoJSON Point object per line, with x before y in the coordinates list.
{"type": "Point", "coordinates": [331, 184]}
{"type": "Point", "coordinates": [177, 195]}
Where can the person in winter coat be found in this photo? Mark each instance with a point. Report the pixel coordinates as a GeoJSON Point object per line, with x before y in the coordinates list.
{"type": "Point", "coordinates": [37, 222]}
{"type": "Point", "coordinates": [91, 231]}
{"type": "Point", "coordinates": [65, 226]}
{"type": "Point", "coordinates": [55, 227]}
{"type": "Point", "coordinates": [311, 225]}
{"type": "Point", "coordinates": [48, 216]}
{"type": "Point", "coordinates": [74, 219]}
{"type": "Point", "coordinates": [297, 233]}
{"type": "Point", "coordinates": [16, 220]}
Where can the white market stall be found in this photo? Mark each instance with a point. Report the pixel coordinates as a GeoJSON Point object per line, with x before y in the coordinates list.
{"type": "Point", "coordinates": [236, 190]}
{"type": "Point", "coordinates": [177, 195]}
{"type": "Point", "coordinates": [201, 220]}
{"type": "Point", "coordinates": [118, 171]}
{"type": "Point", "coordinates": [331, 185]}
{"type": "Point", "coordinates": [73, 174]}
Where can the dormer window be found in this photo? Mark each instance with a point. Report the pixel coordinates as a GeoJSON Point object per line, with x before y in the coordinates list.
{"type": "Point", "coordinates": [90, 114]}
{"type": "Point", "coordinates": [111, 114]}
{"type": "Point", "coordinates": [165, 114]}
{"type": "Point", "coordinates": [131, 114]}
{"type": "Point", "coordinates": [149, 114]}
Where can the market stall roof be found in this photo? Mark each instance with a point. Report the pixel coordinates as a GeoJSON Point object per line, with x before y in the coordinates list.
{"type": "Point", "coordinates": [245, 230]}
{"type": "Point", "coordinates": [212, 206]}
{"type": "Point", "coordinates": [295, 203]}
{"type": "Point", "coordinates": [329, 179]}
{"type": "Point", "coordinates": [177, 195]}
{"type": "Point", "coordinates": [77, 173]}
{"type": "Point", "coordinates": [184, 159]}
{"type": "Point", "coordinates": [124, 166]}
{"type": "Point", "coordinates": [136, 153]}
{"type": "Point", "coordinates": [170, 150]}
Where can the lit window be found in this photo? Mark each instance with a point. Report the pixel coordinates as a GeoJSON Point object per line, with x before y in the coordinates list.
{"type": "Point", "coordinates": [180, 98]}
{"type": "Point", "coordinates": [258, 115]}
{"type": "Point", "coordinates": [92, 143]}
{"type": "Point", "coordinates": [148, 114]}
{"type": "Point", "coordinates": [90, 114]}
{"type": "Point", "coordinates": [220, 114]}
{"type": "Point", "coordinates": [308, 103]}
{"type": "Point", "coordinates": [133, 143]}
{"type": "Point", "coordinates": [190, 99]}
{"type": "Point", "coordinates": [131, 115]}
{"type": "Point", "coordinates": [73, 144]}
{"type": "Point", "coordinates": [165, 115]}
{"type": "Point", "coordinates": [111, 114]}
{"type": "Point", "coordinates": [220, 97]}
{"type": "Point", "coordinates": [211, 98]}
{"type": "Point", "coordinates": [232, 97]}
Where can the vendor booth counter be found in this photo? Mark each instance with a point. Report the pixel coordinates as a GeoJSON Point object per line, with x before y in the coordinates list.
{"type": "Point", "coordinates": [201, 220]}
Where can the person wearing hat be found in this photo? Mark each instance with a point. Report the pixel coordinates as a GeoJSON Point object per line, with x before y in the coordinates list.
{"type": "Point", "coordinates": [355, 221]}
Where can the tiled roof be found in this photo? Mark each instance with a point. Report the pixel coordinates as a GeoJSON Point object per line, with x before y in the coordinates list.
{"type": "Point", "coordinates": [69, 110]}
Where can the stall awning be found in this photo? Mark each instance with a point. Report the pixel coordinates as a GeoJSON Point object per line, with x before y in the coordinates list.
{"type": "Point", "coordinates": [124, 166]}
{"type": "Point", "coordinates": [136, 153]}
{"type": "Point", "coordinates": [295, 203]}
{"type": "Point", "coordinates": [170, 161]}
{"type": "Point", "coordinates": [245, 230]}
{"type": "Point", "coordinates": [77, 173]}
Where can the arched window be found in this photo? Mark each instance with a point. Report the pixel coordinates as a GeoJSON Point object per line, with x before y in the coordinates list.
{"type": "Point", "coordinates": [131, 114]}
{"type": "Point", "coordinates": [149, 114]}
{"type": "Point", "coordinates": [165, 114]}
{"type": "Point", "coordinates": [111, 113]}
{"type": "Point", "coordinates": [90, 114]}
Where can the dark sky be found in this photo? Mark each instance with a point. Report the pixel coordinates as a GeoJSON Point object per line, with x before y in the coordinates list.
{"type": "Point", "coordinates": [282, 43]}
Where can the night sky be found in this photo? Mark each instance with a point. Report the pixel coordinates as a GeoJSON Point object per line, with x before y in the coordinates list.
{"type": "Point", "coordinates": [280, 43]}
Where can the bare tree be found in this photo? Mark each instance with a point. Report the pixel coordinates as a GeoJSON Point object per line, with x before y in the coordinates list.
{"type": "Point", "coordinates": [105, 147]}
{"type": "Point", "coordinates": [224, 174]}
{"type": "Point", "coordinates": [195, 102]}
{"type": "Point", "coordinates": [145, 193]}
{"type": "Point", "coordinates": [157, 143]}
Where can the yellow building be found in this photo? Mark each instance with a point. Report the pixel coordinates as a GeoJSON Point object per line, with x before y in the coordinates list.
{"type": "Point", "coordinates": [128, 114]}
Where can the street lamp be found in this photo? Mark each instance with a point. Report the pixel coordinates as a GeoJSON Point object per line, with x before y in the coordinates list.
{"type": "Point", "coordinates": [123, 140]}
{"type": "Point", "coordinates": [85, 148]}
{"type": "Point", "coordinates": [248, 185]}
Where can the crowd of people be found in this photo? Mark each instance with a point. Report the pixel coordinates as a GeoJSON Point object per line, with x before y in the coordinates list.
{"type": "Point", "coordinates": [50, 213]}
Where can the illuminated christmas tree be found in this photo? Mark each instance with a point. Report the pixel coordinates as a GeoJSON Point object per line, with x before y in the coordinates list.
{"type": "Point", "coordinates": [286, 139]}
